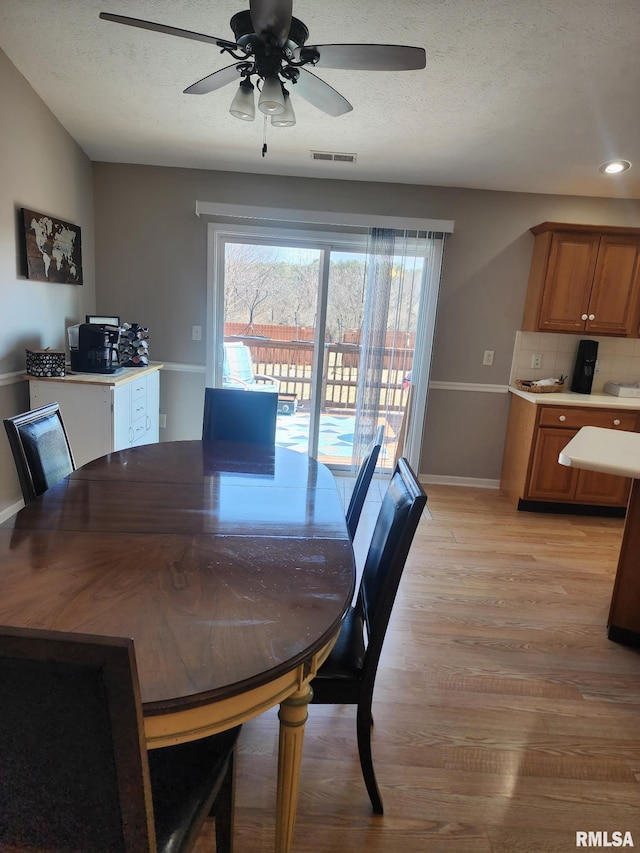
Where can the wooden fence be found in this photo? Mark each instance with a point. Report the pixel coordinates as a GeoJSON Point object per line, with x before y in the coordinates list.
{"type": "Point", "coordinates": [291, 362]}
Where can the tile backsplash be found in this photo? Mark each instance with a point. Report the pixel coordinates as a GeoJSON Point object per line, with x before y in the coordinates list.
{"type": "Point", "coordinates": [618, 358]}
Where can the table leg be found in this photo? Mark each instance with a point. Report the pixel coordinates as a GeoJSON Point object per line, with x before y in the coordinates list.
{"type": "Point", "coordinates": [293, 715]}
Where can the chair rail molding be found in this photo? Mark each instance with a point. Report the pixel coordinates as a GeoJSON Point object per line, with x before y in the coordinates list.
{"type": "Point", "coordinates": [183, 367]}
{"type": "Point", "coordinates": [11, 378]}
{"type": "Point", "coordinates": [468, 386]}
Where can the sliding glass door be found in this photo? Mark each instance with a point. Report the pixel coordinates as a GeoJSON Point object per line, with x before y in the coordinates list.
{"type": "Point", "coordinates": [328, 321]}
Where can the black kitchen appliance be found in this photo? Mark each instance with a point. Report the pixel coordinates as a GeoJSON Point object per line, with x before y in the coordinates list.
{"type": "Point", "coordinates": [585, 367]}
{"type": "Point", "coordinates": [93, 348]}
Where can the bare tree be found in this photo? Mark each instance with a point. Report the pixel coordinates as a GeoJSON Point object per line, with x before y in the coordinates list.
{"type": "Point", "coordinates": [248, 274]}
{"type": "Point", "coordinates": [346, 297]}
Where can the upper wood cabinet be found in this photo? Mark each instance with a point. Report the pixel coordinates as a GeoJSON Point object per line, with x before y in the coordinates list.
{"type": "Point", "coordinates": [584, 279]}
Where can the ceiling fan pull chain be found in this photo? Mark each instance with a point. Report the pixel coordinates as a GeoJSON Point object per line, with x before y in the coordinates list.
{"type": "Point", "coordinates": [264, 137]}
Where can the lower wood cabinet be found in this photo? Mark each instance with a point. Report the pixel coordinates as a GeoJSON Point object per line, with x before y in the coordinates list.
{"type": "Point", "coordinates": [535, 436]}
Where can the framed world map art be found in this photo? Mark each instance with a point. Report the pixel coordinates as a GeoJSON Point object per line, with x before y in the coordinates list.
{"type": "Point", "coordinates": [52, 248]}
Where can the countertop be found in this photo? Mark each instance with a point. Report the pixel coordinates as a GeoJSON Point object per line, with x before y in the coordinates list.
{"type": "Point", "coordinates": [610, 451]}
{"type": "Point", "coordinates": [568, 398]}
{"type": "Point", "coordinates": [125, 375]}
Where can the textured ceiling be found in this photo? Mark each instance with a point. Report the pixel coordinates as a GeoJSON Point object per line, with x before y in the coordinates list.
{"type": "Point", "coordinates": [520, 95]}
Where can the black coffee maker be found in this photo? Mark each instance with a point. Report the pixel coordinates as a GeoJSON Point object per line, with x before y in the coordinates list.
{"type": "Point", "coordinates": [585, 367]}
{"type": "Point", "coordinates": [93, 348]}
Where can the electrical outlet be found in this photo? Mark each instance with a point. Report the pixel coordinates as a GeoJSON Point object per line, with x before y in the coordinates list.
{"type": "Point", "coordinates": [162, 422]}
{"type": "Point", "coordinates": [488, 357]}
{"type": "Point", "coordinates": [196, 333]}
{"type": "Point", "coordinates": [536, 361]}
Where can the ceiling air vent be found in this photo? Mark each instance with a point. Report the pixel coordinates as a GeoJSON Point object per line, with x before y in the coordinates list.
{"type": "Point", "coordinates": [334, 156]}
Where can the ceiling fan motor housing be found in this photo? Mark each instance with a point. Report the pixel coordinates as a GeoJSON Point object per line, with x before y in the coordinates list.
{"type": "Point", "coordinates": [246, 37]}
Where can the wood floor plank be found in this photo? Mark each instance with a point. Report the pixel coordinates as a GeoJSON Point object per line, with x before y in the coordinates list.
{"type": "Point", "coordinates": [505, 720]}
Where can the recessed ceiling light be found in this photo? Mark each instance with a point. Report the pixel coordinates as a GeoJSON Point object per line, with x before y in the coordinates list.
{"type": "Point", "coordinates": [613, 167]}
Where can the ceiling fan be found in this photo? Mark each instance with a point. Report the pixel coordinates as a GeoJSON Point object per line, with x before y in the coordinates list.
{"type": "Point", "coordinates": [270, 45]}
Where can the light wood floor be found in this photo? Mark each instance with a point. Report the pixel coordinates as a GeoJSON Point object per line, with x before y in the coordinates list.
{"type": "Point", "coordinates": [505, 721]}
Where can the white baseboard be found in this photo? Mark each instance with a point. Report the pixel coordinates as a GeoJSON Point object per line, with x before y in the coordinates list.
{"type": "Point", "coordinates": [10, 510]}
{"type": "Point", "coordinates": [471, 482]}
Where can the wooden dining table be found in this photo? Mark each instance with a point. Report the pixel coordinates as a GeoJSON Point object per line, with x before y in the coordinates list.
{"type": "Point", "coordinates": [229, 565]}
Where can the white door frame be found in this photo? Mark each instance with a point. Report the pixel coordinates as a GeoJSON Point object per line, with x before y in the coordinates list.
{"type": "Point", "coordinates": [218, 233]}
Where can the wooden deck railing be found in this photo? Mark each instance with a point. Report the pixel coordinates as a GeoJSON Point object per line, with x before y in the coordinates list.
{"type": "Point", "coordinates": [292, 362]}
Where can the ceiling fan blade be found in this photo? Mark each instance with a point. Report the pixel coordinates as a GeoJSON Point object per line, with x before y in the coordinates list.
{"type": "Point", "coordinates": [367, 57]}
{"type": "Point", "coordinates": [272, 18]}
{"type": "Point", "coordinates": [170, 31]}
{"type": "Point", "coordinates": [320, 94]}
{"type": "Point", "coordinates": [216, 80]}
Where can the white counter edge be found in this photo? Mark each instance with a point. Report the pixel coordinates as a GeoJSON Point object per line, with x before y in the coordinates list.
{"type": "Point", "coordinates": [568, 398]}
{"type": "Point", "coordinates": [127, 375]}
{"type": "Point", "coordinates": [609, 451]}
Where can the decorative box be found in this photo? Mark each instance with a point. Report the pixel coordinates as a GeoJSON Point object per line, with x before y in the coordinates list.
{"type": "Point", "coordinates": [287, 404]}
{"type": "Point", "coordinates": [45, 362]}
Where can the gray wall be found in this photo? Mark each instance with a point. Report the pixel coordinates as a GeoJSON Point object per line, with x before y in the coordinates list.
{"type": "Point", "coordinates": [151, 268]}
{"type": "Point", "coordinates": [41, 168]}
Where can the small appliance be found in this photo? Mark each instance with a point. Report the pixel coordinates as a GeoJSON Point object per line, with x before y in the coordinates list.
{"type": "Point", "coordinates": [93, 348]}
{"type": "Point", "coordinates": [585, 367]}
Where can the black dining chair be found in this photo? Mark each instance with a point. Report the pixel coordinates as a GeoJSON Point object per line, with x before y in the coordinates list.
{"type": "Point", "coordinates": [75, 774]}
{"type": "Point", "coordinates": [41, 449]}
{"type": "Point", "coordinates": [237, 415]}
{"type": "Point", "coordinates": [348, 675]}
{"type": "Point", "coordinates": [363, 481]}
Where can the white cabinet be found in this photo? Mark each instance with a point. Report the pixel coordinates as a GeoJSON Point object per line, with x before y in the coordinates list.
{"type": "Point", "coordinates": [104, 413]}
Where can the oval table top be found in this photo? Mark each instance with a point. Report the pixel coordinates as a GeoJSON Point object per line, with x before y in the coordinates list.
{"type": "Point", "coordinates": [227, 564]}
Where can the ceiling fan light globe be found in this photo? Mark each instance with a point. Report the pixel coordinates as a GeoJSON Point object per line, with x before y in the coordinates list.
{"type": "Point", "coordinates": [287, 117]}
{"type": "Point", "coordinates": [243, 105]}
{"type": "Point", "coordinates": [271, 101]}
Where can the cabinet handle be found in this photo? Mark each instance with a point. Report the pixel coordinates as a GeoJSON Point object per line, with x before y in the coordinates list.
{"type": "Point", "coordinates": [562, 418]}
{"type": "Point", "coordinates": [592, 316]}
{"type": "Point", "coordinates": [584, 317]}
{"type": "Point", "coordinates": [616, 421]}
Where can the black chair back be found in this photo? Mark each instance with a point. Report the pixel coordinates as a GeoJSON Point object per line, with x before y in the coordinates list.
{"type": "Point", "coordinates": [244, 416]}
{"type": "Point", "coordinates": [348, 675]}
{"type": "Point", "coordinates": [392, 537]}
{"type": "Point", "coordinates": [363, 481]}
{"type": "Point", "coordinates": [40, 448]}
{"type": "Point", "coordinates": [75, 774]}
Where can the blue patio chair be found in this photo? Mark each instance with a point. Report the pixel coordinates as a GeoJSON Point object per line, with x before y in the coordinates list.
{"type": "Point", "coordinates": [238, 371]}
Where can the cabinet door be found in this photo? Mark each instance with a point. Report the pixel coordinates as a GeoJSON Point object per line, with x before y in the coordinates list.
{"type": "Point", "coordinates": [550, 481]}
{"type": "Point", "coordinates": [568, 282]}
{"type": "Point", "coordinates": [602, 489]}
{"type": "Point", "coordinates": [615, 297]}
